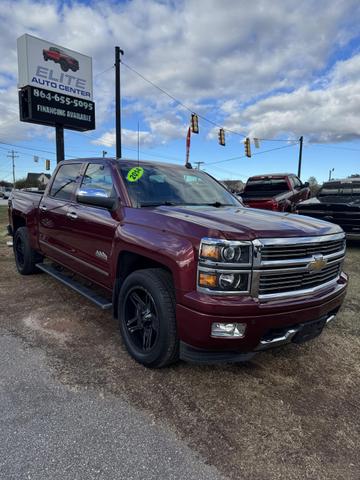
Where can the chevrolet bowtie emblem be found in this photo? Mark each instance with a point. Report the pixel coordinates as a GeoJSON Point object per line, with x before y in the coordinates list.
{"type": "Point", "coordinates": [317, 263]}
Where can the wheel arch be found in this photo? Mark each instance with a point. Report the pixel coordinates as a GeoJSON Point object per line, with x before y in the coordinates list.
{"type": "Point", "coordinates": [127, 263]}
{"type": "Point", "coordinates": [17, 222]}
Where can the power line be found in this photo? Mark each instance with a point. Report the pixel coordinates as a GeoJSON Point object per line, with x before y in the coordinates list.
{"type": "Point", "coordinates": [191, 110]}
{"type": "Point", "coordinates": [331, 146]}
{"type": "Point", "coordinates": [104, 71]}
{"type": "Point", "coordinates": [155, 154]}
{"type": "Point", "coordinates": [179, 102]}
{"type": "Point", "coordinates": [256, 153]}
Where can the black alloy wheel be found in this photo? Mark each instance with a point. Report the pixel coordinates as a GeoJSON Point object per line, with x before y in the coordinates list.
{"type": "Point", "coordinates": [141, 318]}
{"type": "Point", "coordinates": [26, 257]}
{"type": "Point", "coordinates": [147, 321]}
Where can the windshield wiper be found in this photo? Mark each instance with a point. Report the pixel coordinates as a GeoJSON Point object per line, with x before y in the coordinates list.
{"type": "Point", "coordinates": [172, 204]}
{"type": "Point", "coordinates": [214, 204]}
{"type": "Point", "coordinates": [157, 204]}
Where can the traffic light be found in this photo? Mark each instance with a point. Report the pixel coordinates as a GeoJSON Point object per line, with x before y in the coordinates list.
{"type": "Point", "coordinates": [257, 143]}
{"type": "Point", "coordinates": [222, 137]}
{"type": "Point", "coordinates": [194, 123]}
{"type": "Point", "coordinates": [247, 147]}
{"type": "Point", "coordinates": [36, 159]}
{"type": "Point", "coordinates": [47, 164]}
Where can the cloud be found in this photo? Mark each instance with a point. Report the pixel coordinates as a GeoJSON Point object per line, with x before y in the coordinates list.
{"type": "Point", "coordinates": [214, 56]}
{"type": "Point", "coordinates": [327, 114]}
{"type": "Point", "coordinates": [130, 137]}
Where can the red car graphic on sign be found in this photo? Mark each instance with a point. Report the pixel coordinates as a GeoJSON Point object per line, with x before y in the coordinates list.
{"type": "Point", "coordinates": [58, 56]}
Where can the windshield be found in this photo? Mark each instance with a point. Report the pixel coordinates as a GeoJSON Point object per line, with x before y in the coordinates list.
{"type": "Point", "coordinates": [153, 185]}
{"type": "Point", "coordinates": [265, 187]}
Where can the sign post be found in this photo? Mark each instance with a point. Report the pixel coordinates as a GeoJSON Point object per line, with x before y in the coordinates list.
{"type": "Point", "coordinates": [118, 52]}
{"type": "Point", "coordinates": [55, 88]}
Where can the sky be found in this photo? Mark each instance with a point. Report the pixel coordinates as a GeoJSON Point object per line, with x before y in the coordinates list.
{"type": "Point", "coordinates": [270, 70]}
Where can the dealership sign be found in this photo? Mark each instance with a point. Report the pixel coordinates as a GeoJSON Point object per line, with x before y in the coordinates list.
{"type": "Point", "coordinates": [55, 85]}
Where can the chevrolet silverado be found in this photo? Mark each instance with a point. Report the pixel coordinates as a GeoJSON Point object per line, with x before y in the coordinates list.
{"type": "Point", "coordinates": [188, 271]}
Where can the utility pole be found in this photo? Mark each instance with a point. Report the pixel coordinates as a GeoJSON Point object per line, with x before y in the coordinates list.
{"type": "Point", "coordinates": [198, 165]}
{"type": "Point", "coordinates": [300, 155]}
{"type": "Point", "coordinates": [118, 52]}
{"type": "Point", "coordinates": [12, 155]}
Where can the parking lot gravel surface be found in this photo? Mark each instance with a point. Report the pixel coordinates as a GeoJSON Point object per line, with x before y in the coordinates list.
{"type": "Point", "coordinates": [71, 396]}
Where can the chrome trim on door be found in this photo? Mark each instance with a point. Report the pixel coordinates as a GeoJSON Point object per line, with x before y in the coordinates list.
{"type": "Point", "coordinates": [86, 264]}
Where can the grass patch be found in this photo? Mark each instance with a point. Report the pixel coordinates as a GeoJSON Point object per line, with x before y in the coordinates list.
{"type": "Point", "coordinates": [3, 217]}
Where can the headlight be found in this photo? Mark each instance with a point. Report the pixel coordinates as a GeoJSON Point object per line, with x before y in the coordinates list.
{"type": "Point", "coordinates": [221, 281]}
{"type": "Point", "coordinates": [225, 251]}
{"type": "Point", "coordinates": [224, 266]}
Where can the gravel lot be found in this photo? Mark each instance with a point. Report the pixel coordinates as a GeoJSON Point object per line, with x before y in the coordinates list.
{"type": "Point", "coordinates": [293, 413]}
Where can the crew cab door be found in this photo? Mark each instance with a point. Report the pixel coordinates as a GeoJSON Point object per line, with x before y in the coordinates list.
{"type": "Point", "coordinates": [54, 225]}
{"type": "Point", "coordinates": [92, 228]}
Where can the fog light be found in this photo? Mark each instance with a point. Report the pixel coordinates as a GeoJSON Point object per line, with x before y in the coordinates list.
{"type": "Point", "coordinates": [229, 330]}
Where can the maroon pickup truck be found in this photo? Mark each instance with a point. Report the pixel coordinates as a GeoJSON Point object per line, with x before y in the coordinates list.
{"type": "Point", "coordinates": [58, 56]}
{"type": "Point", "coordinates": [280, 192]}
{"type": "Point", "coordinates": [188, 271]}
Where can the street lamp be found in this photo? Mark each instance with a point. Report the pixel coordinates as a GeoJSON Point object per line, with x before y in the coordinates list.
{"type": "Point", "coordinates": [330, 172]}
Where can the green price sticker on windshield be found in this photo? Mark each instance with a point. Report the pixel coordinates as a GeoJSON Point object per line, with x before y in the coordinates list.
{"type": "Point", "coordinates": [135, 174]}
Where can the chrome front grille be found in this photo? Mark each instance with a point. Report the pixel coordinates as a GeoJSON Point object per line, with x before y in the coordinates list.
{"type": "Point", "coordinates": [286, 252]}
{"type": "Point", "coordinates": [288, 267]}
{"type": "Point", "coordinates": [274, 282]}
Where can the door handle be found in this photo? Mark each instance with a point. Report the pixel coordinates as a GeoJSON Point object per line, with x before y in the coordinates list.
{"type": "Point", "coordinates": [43, 208]}
{"type": "Point", "coordinates": [72, 215]}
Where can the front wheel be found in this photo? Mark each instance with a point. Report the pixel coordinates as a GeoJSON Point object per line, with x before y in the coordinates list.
{"type": "Point", "coordinates": [147, 317]}
{"type": "Point", "coordinates": [26, 257]}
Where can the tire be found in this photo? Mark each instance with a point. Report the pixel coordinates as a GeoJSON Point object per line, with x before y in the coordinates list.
{"type": "Point", "coordinates": [46, 59]}
{"type": "Point", "coordinates": [25, 256]}
{"type": "Point", "coordinates": [64, 66]}
{"type": "Point", "coordinates": [147, 320]}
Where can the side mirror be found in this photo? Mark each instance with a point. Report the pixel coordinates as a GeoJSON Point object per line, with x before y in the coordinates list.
{"type": "Point", "coordinates": [97, 197]}
{"type": "Point", "coordinates": [306, 184]}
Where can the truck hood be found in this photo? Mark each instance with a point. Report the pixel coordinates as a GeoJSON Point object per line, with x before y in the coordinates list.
{"type": "Point", "coordinates": [240, 222]}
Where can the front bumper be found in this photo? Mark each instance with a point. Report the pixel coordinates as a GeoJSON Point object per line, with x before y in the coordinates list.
{"type": "Point", "coordinates": [264, 323]}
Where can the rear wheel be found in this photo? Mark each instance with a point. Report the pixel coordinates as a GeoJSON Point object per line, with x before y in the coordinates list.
{"type": "Point", "coordinates": [25, 256]}
{"type": "Point", "coordinates": [147, 317]}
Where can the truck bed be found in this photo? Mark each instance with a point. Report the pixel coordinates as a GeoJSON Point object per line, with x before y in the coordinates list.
{"type": "Point", "coordinates": [25, 200]}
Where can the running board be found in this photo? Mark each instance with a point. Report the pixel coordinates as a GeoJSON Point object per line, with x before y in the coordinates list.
{"type": "Point", "coordinates": [101, 302]}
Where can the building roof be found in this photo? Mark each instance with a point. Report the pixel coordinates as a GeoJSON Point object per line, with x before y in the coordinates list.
{"type": "Point", "coordinates": [34, 177]}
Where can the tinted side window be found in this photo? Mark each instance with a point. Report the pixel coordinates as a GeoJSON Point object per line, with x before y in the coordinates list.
{"type": "Point", "coordinates": [98, 178]}
{"type": "Point", "coordinates": [65, 181]}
